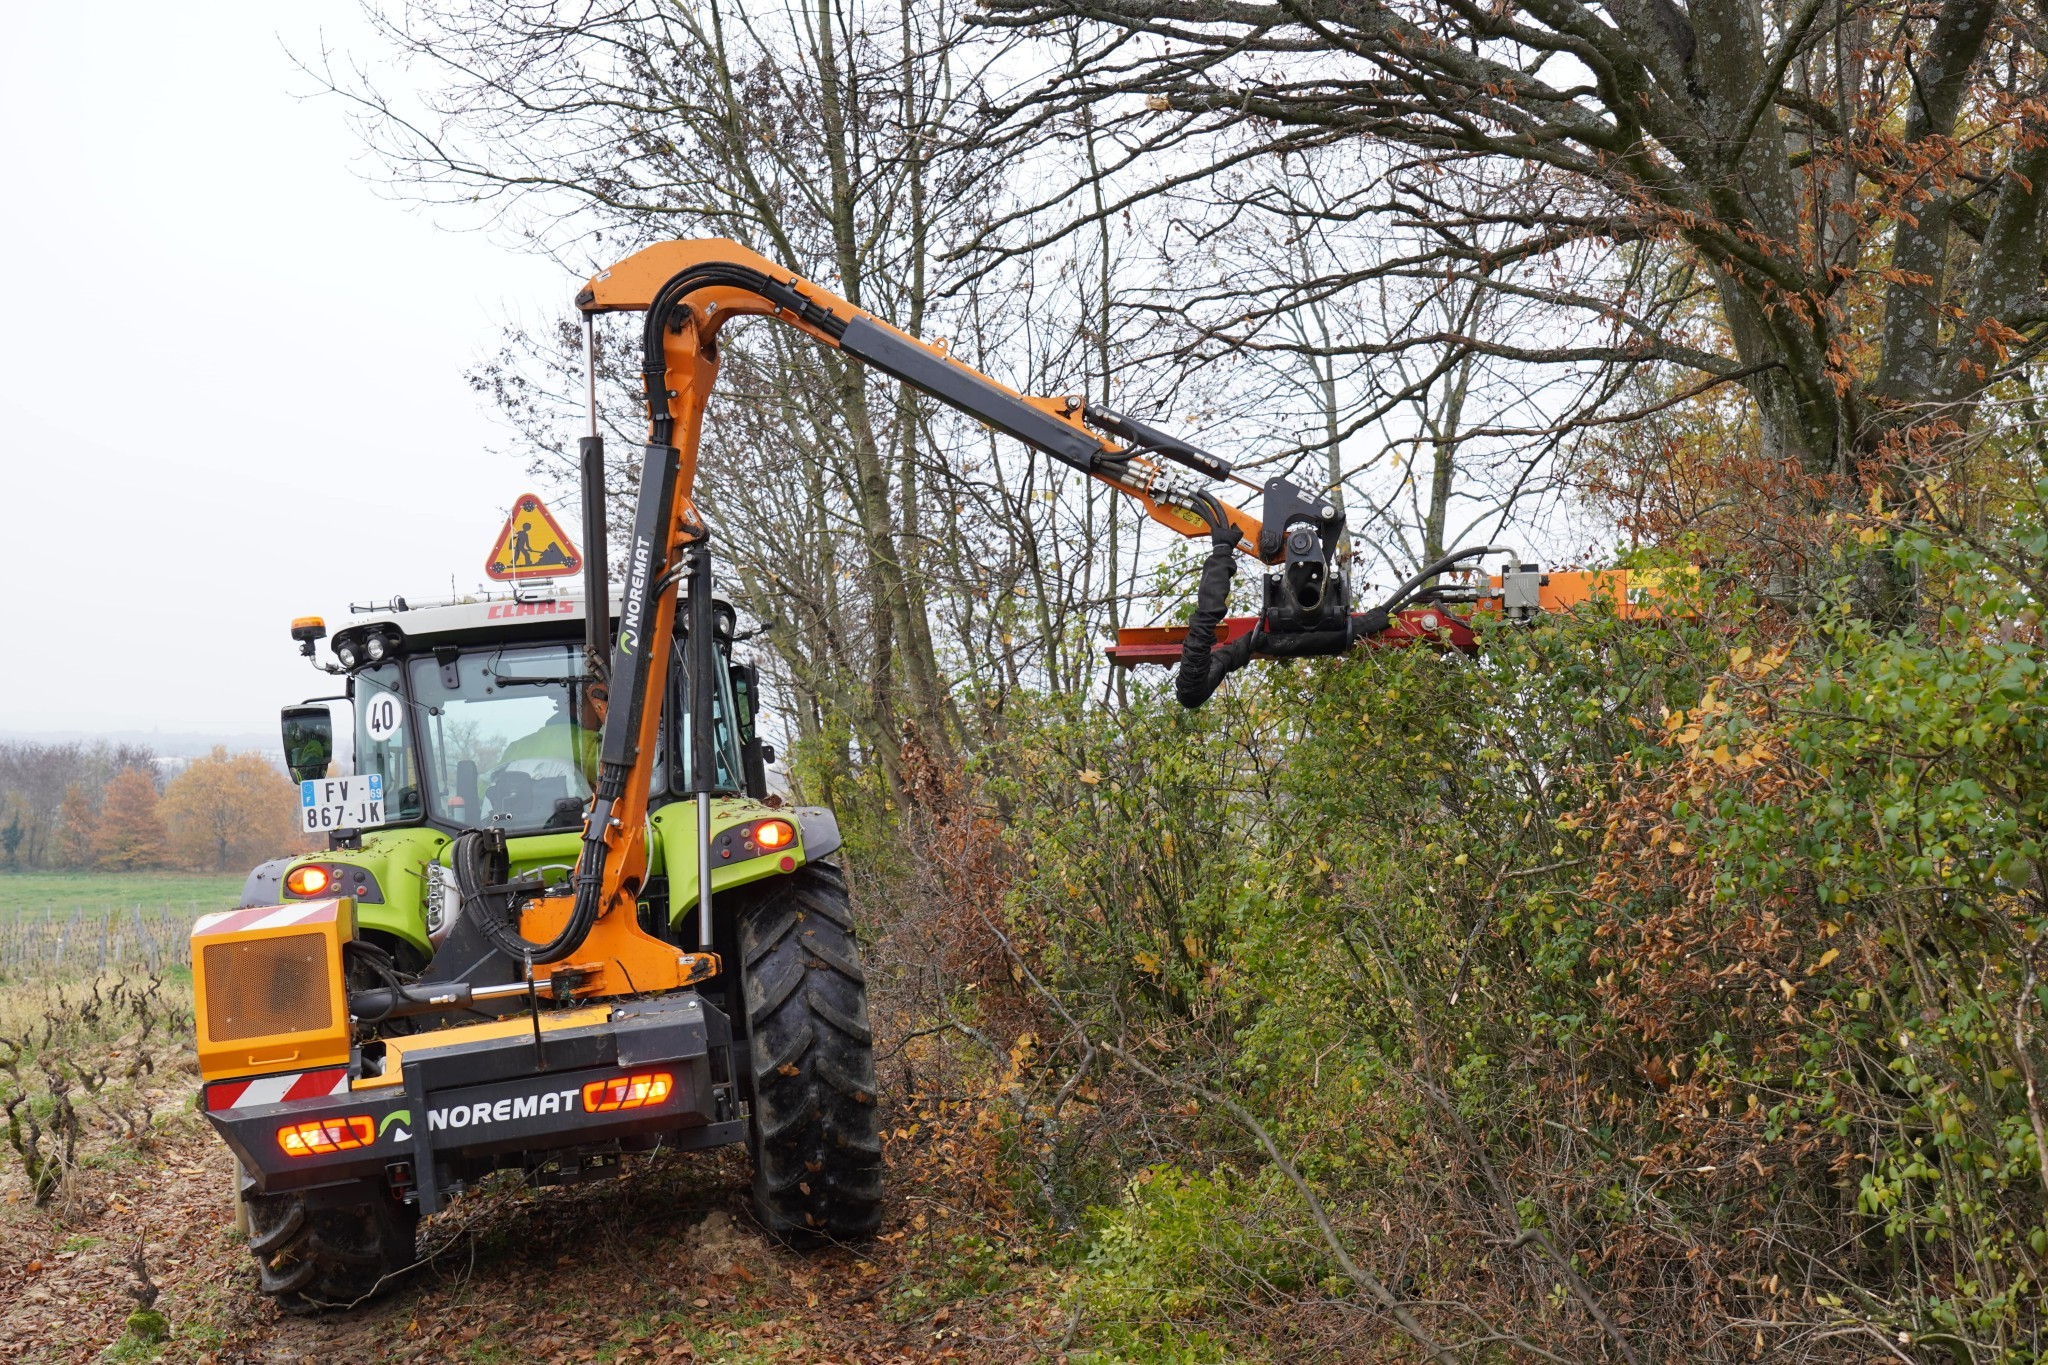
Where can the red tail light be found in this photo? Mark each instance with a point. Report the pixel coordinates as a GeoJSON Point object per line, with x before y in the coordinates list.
{"type": "Point", "coordinates": [627, 1092]}
{"type": "Point", "coordinates": [327, 1135]}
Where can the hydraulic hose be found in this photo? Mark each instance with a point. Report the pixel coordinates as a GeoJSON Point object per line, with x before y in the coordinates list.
{"type": "Point", "coordinates": [654, 364]}
{"type": "Point", "coordinates": [1408, 590]}
{"type": "Point", "coordinates": [1203, 665]}
{"type": "Point", "coordinates": [478, 861]}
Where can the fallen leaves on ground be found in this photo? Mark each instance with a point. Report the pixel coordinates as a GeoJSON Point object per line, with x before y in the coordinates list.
{"type": "Point", "coordinates": [661, 1264]}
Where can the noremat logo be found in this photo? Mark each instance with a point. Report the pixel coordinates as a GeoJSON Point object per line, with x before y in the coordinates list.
{"type": "Point", "coordinates": [636, 598]}
{"type": "Point", "coordinates": [501, 1111]}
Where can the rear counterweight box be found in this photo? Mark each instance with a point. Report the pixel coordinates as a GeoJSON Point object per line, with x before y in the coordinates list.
{"type": "Point", "coordinates": [458, 1105]}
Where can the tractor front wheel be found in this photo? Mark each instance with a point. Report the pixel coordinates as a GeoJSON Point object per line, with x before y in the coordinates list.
{"type": "Point", "coordinates": [333, 1255]}
{"type": "Point", "coordinates": [817, 1156]}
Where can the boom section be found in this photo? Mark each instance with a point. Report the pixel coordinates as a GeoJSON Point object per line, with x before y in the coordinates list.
{"type": "Point", "coordinates": [698, 286]}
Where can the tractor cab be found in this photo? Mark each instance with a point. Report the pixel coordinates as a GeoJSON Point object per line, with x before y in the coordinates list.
{"type": "Point", "coordinates": [481, 712]}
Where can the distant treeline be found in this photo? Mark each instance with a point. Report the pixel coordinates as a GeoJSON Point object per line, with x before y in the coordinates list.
{"type": "Point", "coordinates": [100, 805]}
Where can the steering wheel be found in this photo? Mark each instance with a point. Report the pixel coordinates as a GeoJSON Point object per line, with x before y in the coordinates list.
{"type": "Point", "coordinates": [513, 788]}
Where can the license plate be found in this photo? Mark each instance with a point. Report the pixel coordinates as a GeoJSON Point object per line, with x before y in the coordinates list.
{"type": "Point", "coordinates": [330, 803]}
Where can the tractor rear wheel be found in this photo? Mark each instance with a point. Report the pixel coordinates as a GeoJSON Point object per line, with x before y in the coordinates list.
{"type": "Point", "coordinates": [309, 1258]}
{"type": "Point", "coordinates": [817, 1156]}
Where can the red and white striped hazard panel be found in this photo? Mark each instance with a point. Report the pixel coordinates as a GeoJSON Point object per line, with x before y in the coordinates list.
{"type": "Point", "coordinates": [266, 917]}
{"type": "Point", "coordinates": [293, 1085]}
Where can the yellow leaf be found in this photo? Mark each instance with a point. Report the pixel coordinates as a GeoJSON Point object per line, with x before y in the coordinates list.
{"type": "Point", "coordinates": [1739, 657]}
{"type": "Point", "coordinates": [1089, 777]}
{"type": "Point", "coordinates": [1722, 756]}
{"type": "Point", "coordinates": [1193, 945]}
{"type": "Point", "coordinates": [1166, 843]}
{"type": "Point", "coordinates": [1825, 958]}
{"type": "Point", "coordinates": [1147, 963]}
{"type": "Point", "coordinates": [1677, 847]}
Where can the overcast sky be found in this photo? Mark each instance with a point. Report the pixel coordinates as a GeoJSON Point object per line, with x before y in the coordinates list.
{"type": "Point", "coordinates": [231, 370]}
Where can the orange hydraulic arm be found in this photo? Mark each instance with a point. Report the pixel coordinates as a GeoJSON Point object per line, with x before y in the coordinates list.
{"type": "Point", "coordinates": [689, 290]}
{"type": "Point", "coordinates": [589, 941]}
{"type": "Point", "coordinates": [702, 285]}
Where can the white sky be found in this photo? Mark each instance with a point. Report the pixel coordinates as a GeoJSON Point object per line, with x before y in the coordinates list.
{"type": "Point", "coordinates": [231, 369]}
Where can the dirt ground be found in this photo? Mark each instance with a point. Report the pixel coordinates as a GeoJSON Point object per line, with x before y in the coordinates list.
{"type": "Point", "coordinates": [662, 1263]}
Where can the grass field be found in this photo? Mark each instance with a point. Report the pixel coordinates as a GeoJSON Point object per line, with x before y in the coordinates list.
{"type": "Point", "coordinates": [63, 893]}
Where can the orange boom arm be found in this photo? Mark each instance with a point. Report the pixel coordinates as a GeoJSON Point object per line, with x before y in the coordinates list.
{"type": "Point", "coordinates": [705, 284]}
{"type": "Point", "coordinates": [689, 292]}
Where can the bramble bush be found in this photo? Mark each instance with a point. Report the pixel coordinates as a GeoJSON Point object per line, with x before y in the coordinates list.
{"type": "Point", "coordinates": [1634, 990]}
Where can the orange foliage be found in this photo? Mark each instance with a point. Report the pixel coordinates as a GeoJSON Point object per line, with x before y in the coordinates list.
{"type": "Point", "coordinates": [230, 810]}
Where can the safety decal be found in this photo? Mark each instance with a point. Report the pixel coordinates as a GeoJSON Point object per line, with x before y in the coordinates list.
{"type": "Point", "coordinates": [532, 545]}
{"type": "Point", "coordinates": [260, 1090]}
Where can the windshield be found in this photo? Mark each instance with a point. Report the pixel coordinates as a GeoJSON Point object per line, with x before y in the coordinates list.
{"type": "Point", "coordinates": [504, 736]}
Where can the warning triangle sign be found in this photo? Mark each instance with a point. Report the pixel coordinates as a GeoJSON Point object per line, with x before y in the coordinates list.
{"type": "Point", "coordinates": [532, 545]}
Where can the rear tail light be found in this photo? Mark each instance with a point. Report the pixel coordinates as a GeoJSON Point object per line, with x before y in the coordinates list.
{"type": "Point", "coordinates": [327, 1135]}
{"type": "Point", "coordinates": [774, 834]}
{"type": "Point", "coordinates": [627, 1092]}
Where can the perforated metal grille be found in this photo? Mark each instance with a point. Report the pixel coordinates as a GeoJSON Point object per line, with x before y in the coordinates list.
{"type": "Point", "coordinates": [267, 986]}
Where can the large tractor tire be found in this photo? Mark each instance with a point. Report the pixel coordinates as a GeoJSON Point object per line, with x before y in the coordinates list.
{"type": "Point", "coordinates": [817, 1156]}
{"type": "Point", "coordinates": [309, 1258]}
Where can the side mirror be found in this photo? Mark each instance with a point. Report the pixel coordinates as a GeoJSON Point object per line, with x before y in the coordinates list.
{"type": "Point", "coordinates": [308, 741]}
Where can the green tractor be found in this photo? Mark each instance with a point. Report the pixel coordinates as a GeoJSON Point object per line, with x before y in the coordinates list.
{"type": "Point", "coordinates": [480, 715]}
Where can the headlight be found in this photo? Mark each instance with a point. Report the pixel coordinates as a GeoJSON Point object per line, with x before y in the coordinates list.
{"type": "Point", "coordinates": [375, 645]}
{"type": "Point", "coordinates": [345, 651]}
{"type": "Point", "coordinates": [444, 903]}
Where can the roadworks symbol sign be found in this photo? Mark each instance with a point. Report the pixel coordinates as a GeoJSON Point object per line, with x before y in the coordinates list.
{"type": "Point", "coordinates": [532, 545]}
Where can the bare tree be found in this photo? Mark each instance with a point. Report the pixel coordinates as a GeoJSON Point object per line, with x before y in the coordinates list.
{"type": "Point", "coordinates": [1855, 185]}
{"type": "Point", "coordinates": [804, 132]}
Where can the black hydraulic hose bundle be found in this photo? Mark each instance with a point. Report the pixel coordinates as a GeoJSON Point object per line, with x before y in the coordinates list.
{"type": "Point", "coordinates": [478, 859]}
{"type": "Point", "coordinates": [1408, 591]}
{"type": "Point", "coordinates": [1204, 666]}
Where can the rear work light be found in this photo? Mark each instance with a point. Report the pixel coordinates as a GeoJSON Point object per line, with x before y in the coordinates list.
{"type": "Point", "coordinates": [327, 1135]}
{"type": "Point", "coordinates": [627, 1092]}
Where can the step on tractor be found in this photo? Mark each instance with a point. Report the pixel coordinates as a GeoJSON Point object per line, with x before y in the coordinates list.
{"type": "Point", "coordinates": [559, 920]}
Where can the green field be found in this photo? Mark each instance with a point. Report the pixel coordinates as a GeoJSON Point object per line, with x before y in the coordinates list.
{"type": "Point", "coordinates": [44, 893]}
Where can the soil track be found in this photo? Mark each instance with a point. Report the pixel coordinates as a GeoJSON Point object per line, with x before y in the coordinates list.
{"type": "Point", "coordinates": [661, 1264]}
